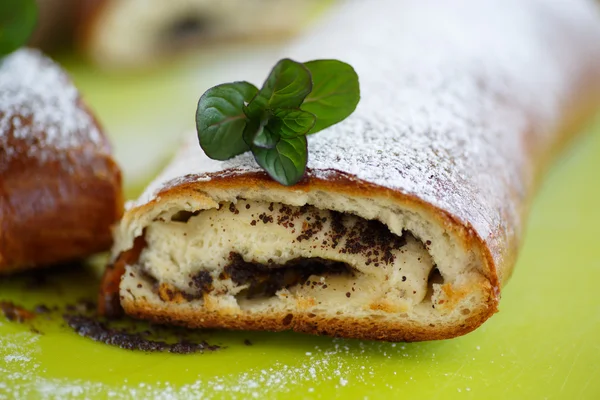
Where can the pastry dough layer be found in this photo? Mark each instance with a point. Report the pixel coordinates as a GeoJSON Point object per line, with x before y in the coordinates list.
{"type": "Point", "coordinates": [225, 245]}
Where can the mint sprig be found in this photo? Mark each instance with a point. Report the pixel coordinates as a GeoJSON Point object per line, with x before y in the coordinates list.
{"type": "Point", "coordinates": [296, 100]}
{"type": "Point", "coordinates": [17, 21]}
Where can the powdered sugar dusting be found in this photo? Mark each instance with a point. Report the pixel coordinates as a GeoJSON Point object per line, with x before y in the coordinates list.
{"type": "Point", "coordinates": [449, 90]}
{"type": "Point", "coordinates": [337, 363]}
{"type": "Point", "coordinates": [41, 115]}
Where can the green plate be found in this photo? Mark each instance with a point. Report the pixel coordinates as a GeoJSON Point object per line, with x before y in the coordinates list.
{"type": "Point", "coordinates": [543, 343]}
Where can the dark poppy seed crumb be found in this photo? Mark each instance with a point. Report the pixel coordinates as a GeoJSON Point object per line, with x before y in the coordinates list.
{"type": "Point", "coordinates": [101, 332]}
{"type": "Point", "coordinates": [203, 281]}
{"type": "Point", "coordinates": [267, 279]}
{"type": "Point", "coordinates": [348, 294]}
{"type": "Point", "coordinates": [265, 218]}
{"type": "Point", "coordinates": [41, 309]}
{"type": "Point", "coordinates": [16, 313]}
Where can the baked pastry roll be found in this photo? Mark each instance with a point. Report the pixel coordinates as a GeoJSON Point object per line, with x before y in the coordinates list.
{"type": "Point", "coordinates": [135, 33]}
{"type": "Point", "coordinates": [410, 216]}
{"type": "Point", "coordinates": [60, 189]}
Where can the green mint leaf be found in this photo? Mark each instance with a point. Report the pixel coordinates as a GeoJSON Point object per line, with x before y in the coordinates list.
{"type": "Point", "coordinates": [286, 162]}
{"type": "Point", "coordinates": [17, 21]}
{"type": "Point", "coordinates": [256, 133]}
{"type": "Point", "coordinates": [291, 122]}
{"type": "Point", "coordinates": [220, 120]}
{"type": "Point", "coordinates": [266, 139]}
{"type": "Point", "coordinates": [287, 86]}
{"type": "Point", "coordinates": [295, 100]}
{"type": "Point", "coordinates": [335, 92]}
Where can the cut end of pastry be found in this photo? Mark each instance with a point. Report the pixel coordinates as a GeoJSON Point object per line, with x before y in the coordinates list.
{"type": "Point", "coordinates": [329, 262]}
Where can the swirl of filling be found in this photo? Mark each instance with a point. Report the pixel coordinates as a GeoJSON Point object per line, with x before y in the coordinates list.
{"type": "Point", "coordinates": [255, 253]}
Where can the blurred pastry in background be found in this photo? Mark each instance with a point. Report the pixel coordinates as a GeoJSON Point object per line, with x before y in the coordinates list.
{"type": "Point", "coordinates": [136, 33]}
{"type": "Point", "coordinates": [56, 25]}
{"type": "Point", "coordinates": [60, 187]}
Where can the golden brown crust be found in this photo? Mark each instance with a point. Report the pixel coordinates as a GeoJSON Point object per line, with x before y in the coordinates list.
{"type": "Point", "coordinates": [338, 326]}
{"type": "Point", "coordinates": [49, 214]}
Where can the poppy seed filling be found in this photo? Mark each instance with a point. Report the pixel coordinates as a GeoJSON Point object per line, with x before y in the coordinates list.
{"type": "Point", "coordinates": [253, 250]}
